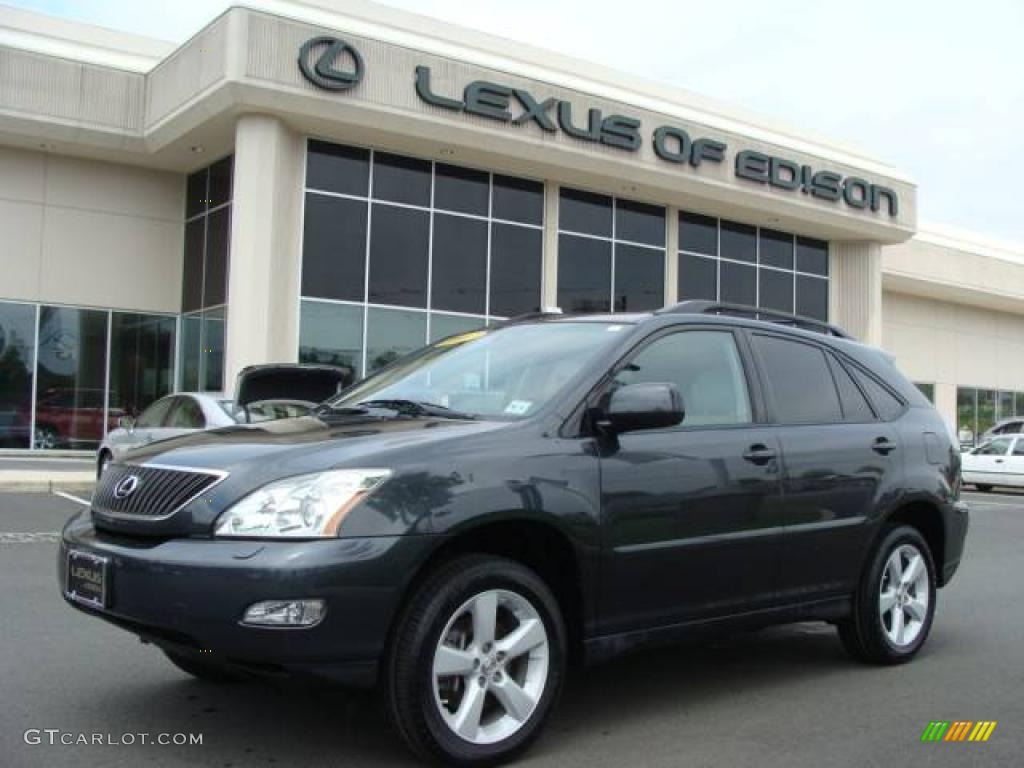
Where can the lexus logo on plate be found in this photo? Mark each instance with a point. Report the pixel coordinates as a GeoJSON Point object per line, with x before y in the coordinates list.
{"type": "Point", "coordinates": [126, 487]}
{"type": "Point", "coordinates": [330, 63]}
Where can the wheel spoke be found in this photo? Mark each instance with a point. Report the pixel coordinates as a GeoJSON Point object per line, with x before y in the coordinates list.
{"type": "Point", "coordinates": [467, 718]}
{"type": "Point", "coordinates": [517, 702]}
{"type": "Point", "coordinates": [451, 661]}
{"type": "Point", "coordinates": [485, 618]}
{"type": "Point", "coordinates": [917, 608]}
{"type": "Point", "coordinates": [887, 601]}
{"type": "Point", "coordinates": [897, 626]}
{"type": "Point", "coordinates": [523, 639]}
{"type": "Point", "coordinates": [913, 569]}
{"type": "Point", "coordinates": [895, 568]}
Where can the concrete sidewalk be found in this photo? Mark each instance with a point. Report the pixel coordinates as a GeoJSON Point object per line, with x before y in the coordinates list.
{"type": "Point", "coordinates": [45, 474]}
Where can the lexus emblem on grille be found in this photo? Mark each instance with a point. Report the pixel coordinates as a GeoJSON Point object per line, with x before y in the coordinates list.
{"type": "Point", "coordinates": [320, 60]}
{"type": "Point", "coordinates": [126, 487]}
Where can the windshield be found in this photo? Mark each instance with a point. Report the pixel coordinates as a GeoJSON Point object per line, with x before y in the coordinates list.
{"type": "Point", "coordinates": [508, 373]}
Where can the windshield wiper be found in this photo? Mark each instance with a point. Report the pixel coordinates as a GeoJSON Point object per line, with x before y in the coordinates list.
{"type": "Point", "coordinates": [416, 408]}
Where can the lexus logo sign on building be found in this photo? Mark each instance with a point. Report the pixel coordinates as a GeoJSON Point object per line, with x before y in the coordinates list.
{"type": "Point", "coordinates": [330, 63]}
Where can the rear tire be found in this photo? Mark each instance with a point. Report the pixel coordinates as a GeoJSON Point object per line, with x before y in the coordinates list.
{"type": "Point", "coordinates": [983, 487]}
{"type": "Point", "coordinates": [894, 605]}
{"type": "Point", "coordinates": [203, 670]}
{"type": "Point", "coordinates": [476, 663]}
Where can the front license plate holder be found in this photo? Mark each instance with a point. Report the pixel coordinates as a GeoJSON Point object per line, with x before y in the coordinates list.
{"type": "Point", "coordinates": [88, 578]}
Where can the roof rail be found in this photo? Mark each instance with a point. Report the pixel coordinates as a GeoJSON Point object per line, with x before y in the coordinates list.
{"type": "Point", "coordinates": [696, 307]}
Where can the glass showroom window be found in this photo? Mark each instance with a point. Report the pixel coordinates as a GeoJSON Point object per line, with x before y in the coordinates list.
{"type": "Point", "coordinates": [399, 251]}
{"type": "Point", "coordinates": [738, 263]}
{"type": "Point", "coordinates": [927, 389]}
{"type": "Point", "coordinates": [17, 363]}
{"type": "Point", "coordinates": [978, 410]}
{"type": "Point", "coordinates": [611, 254]}
{"type": "Point", "coordinates": [204, 286]}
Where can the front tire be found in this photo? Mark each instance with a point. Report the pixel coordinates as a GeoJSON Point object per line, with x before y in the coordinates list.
{"type": "Point", "coordinates": [894, 605]}
{"type": "Point", "coordinates": [477, 662]}
{"type": "Point", "coordinates": [983, 487]}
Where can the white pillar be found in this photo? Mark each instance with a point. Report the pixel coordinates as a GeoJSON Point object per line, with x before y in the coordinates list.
{"type": "Point", "coordinates": [264, 277]}
{"type": "Point", "coordinates": [549, 281]}
{"type": "Point", "coordinates": [855, 289]}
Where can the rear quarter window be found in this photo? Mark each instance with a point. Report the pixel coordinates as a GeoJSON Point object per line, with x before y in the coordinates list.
{"type": "Point", "coordinates": [886, 404]}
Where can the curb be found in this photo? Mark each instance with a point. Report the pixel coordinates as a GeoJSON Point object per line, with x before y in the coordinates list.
{"type": "Point", "coordinates": [12, 481]}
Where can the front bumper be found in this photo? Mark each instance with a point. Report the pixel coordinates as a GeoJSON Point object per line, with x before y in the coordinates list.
{"type": "Point", "coordinates": [189, 595]}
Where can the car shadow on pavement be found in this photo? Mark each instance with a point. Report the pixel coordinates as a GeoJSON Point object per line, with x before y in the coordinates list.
{"type": "Point", "coordinates": [264, 722]}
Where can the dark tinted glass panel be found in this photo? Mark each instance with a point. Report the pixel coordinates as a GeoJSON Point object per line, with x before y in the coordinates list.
{"type": "Point", "coordinates": [739, 283]}
{"type": "Point", "coordinates": [639, 223]}
{"type": "Point", "coordinates": [460, 264]}
{"type": "Point", "coordinates": [1019, 404]}
{"type": "Point", "coordinates": [399, 241]}
{"type": "Point", "coordinates": [986, 410]}
{"type": "Point", "coordinates": [855, 405]}
{"type": "Point", "coordinates": [141, 361]}
{"type": "Point", "coordinates": [812, 297]}
{"type": "Point", "coordinates": [220, 181]}
{"type": "Point", "coordinates": [218, 235]}
{"type": "Point", "coordinates": [928, 390]}
{"type": "Point", "coordinates": [705, 366]}
{"type": "Point", "coordinates": [336, 168]}
{"type": "Point", "coordinates": [801, 385]}
{"type": "Point", "coordinates": [584, 274]}
{"type": "Point", "coordinates": [698, 233]}
{"type": "Point", "coordinates": [17, 359]}
{"type": "Point", "coordinates": [392, 333]}
{"type": "Point", "coordinates": [461, 189]}
{"type": "Point", "coordinates": [71, 376]}
{"type": "Point", "coordinates": [191, 345]}
{"type": "Point", "coordinates": [449, 325]}
{"type": "Point", "coordinates": [966, 413]}
{"type": "Point", "coordinates": [1005, 405]}
{"type": "Point", "coordinates": [639, 278]}
{"type": "Point", "coordinates": [776, 249]}
{"type": "Point", "coordinates": [195, 194]}
{"type": "Point", "coordinates": [776, 290]}
{"type": "Point", "coordinates": [812, 256]}
{"type": "Point", "coordinates": [331, 334]}
{"type": "Point", "coordinates": [698, 277]}
{"type": "Point", "coordinates": [585, 212]}
{"type": "Point", "coordinates": [212, 357]}
{"type": "Point", "coordinates": [886, 403]}
{"type": "Point", "coordinates": [518, 200]}
{"type": "Point", "coordinates": [192, 277]}
{"type": "Point", "coordinates": [401, 179]}
{"type": "Point", "coordinates": [334, 248]}
{"type": "Point", "coordinates": [739, 241]}
{"type": "Point", "coordinates": [516, 254]}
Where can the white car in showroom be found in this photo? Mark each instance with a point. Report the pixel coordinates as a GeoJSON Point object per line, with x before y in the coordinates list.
{"type": "Point", "coordinates": [999, 461]}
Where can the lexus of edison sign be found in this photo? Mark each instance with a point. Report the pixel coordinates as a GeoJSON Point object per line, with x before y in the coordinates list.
{"type": "Point", "coordinates": [321, 62]}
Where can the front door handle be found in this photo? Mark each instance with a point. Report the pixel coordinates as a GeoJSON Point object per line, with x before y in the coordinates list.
{"type": "Point", "coordinates": [883, 445]}
{"type": "Point", "coordinates": [999, 461]}
{"type": "Point", "coordinates": [759, 454]}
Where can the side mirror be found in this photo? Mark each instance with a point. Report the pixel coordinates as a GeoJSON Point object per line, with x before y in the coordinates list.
{"type": "Point", "coordinates": [126, 423]}
{"type": "Point", "coordinates": [644, 406]}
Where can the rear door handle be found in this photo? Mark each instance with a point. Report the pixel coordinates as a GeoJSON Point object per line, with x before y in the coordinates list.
{"type": "Point", "coordinates": [883, 445]}
{"type": "Point", "coordinates": [759, 453]}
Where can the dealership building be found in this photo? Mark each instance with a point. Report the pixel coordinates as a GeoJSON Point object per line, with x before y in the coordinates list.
{"type": "Point", "coordinates": [341, 182]}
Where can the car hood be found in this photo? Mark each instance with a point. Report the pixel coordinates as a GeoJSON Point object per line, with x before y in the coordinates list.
{"type": "Point", "coordinates": [310, 443]}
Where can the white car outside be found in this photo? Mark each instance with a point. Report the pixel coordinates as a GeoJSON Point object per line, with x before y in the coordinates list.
{"type": "Point", "coordinates": [999, 461]}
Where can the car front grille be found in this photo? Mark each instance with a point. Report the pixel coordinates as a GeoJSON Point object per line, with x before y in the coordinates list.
{"type": "Point", "coordinates": [157, 492]}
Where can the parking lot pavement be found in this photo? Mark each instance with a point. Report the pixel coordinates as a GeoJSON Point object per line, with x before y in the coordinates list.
{"type": "Point", "coordinates": [782, 697]}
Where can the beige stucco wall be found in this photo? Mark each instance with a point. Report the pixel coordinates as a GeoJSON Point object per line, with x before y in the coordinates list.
{"type": "Point", "coordinates": [81, 232]}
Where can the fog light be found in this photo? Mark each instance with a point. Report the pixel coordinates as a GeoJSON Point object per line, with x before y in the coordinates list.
{"type": "Point", "coordinates": [285, 613]}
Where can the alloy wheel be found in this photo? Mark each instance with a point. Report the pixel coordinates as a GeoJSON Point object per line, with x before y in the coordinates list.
{"type": "Point", "coordinates": [490, 666]}
{"type": "Point", "coordinates": [904, 595]}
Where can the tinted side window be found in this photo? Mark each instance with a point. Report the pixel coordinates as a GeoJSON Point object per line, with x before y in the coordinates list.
{"type": "Point", "coordinates": [154, 415]}
{"type": "Point", "coordinates": [799, 381]}
{"type": "Point", "coordinates": [855, 405]}
{"type": "Point", "coordinates": [886, 403]}
{"type": "Point", "coordinates": [188, 415]}
{"type": "Point", "coordinates": [705, 366]}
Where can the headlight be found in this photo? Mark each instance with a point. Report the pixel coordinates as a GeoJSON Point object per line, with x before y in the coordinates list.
{"type": "Point", "coordinates": [301, 507]}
